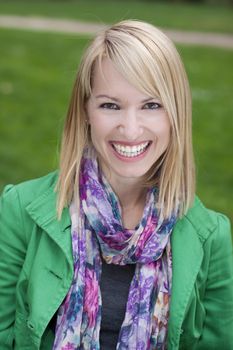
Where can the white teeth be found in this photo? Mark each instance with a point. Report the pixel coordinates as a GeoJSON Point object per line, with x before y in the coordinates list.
{"type": "Point", "coordinates": [129, 151]}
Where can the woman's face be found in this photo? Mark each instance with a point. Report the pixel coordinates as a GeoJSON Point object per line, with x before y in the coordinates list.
{"type": "Point", "coordinates": [129, 130]}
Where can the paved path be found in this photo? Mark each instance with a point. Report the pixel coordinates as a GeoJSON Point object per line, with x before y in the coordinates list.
{"type": "Point", "coordinates": [78, 27]}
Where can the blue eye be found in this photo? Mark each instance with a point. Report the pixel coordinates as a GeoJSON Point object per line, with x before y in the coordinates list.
{"type": "Point", "coordinates": [152, 105]}
{"type": "Point", "coordinates": [109, 105]}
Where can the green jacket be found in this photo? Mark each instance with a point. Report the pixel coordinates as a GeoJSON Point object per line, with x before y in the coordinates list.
{"type": "Point", "coordinates": [36, 270]}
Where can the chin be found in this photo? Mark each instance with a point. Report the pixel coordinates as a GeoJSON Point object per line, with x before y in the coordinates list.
{"type": "Point", "coordinates": [131, 174]}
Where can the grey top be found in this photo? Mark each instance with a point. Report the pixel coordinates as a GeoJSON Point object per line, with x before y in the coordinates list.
{"type": "Point", "coordinates": [115, 283]}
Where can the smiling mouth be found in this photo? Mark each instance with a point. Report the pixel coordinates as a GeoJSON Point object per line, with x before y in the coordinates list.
{"type": "Point", "coordinates": [131, 151]}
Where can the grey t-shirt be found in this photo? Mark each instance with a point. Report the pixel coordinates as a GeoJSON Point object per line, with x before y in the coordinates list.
{"type": "Point", "coordinates": [114, 285]}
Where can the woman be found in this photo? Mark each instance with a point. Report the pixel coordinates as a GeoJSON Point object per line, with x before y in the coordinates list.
{"type": "Point", "coordinates": [114, 251]}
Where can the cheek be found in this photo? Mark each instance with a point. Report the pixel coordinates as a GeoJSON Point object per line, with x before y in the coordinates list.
{"type": "Point", "coordinates": [163, 130]}
{"type": "Point", "coordinates": [95, 133]}
{"type": "Point", "coordinates": [98, 129]}
{"type": "Point", "coordinates": [94, 123]}
{"type": "Point", "coordinates": [163, 136]}
{"type": "Point", "coordinates": [167, 134]}
{"type": "Point", "coordinates": [166, 138]}
{"type": "Point", "coordinates": [101, 125]}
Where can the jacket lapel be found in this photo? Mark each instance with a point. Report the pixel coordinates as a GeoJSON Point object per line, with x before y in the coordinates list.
{"type": "Point", "coordinates": [187, 241]}
{"type": "Point", "coordinates": [187, 255]}
{"type": "Point", "coordinates": [43, 211]}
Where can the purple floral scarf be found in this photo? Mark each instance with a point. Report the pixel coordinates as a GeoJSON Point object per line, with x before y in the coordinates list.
{"type": "Point", "coordinates": [96, 232]}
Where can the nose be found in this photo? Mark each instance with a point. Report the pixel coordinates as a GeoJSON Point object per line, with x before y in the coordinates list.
{"type": "Point", "coordinates": [130, 126]}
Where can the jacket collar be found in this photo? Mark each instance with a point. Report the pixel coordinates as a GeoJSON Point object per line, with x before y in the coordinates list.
{"type": "Point", "coordinates": [187, 241]}
{"type": "Point", "coordinates": [187, 255]}
{"type": "Point", "coordinates": [43, 211]}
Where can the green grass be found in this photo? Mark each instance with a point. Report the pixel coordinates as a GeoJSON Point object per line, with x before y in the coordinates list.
{"type": "Point", "coordinates": [168, 15]}
{"type": "Point", "coordinates": [211, 83]}
{"type": "Point", "coordinates": [37, 72]}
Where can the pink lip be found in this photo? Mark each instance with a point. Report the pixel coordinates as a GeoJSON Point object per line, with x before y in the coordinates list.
{"type": "Point", "coordinates": [129, 159]}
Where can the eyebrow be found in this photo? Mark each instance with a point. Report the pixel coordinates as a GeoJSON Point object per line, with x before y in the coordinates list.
{"type": "Point", "coordinates": [109, 97]}
{"type": "Point", "coordinates": [117, 100]}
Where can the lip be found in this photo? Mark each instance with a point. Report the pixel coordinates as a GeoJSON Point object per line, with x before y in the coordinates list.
{"type": "Point", "coordinates": [129, 159]}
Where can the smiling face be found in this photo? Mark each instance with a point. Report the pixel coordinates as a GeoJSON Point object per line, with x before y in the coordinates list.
{"type": "Point", "coordinates": [129, 130]}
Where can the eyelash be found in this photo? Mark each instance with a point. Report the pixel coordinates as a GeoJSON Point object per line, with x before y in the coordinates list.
{"type": "Point", "coordinates": [109, 105]}
{"type": "Point", "coordinates": [113, 106]}
{"type": "Point", "coordinates": [152, 105]}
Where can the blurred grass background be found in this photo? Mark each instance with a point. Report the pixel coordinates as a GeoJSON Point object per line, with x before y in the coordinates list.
{"type": "Point", "coordinates": [210, 15]}
{"type": "Point", "coordinates": [37, 71]}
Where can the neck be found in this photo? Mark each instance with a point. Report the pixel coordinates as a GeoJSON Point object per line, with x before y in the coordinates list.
{"type": "Point", "coordinates": [129, 191]}
{"type": "Point", "coordinates": [132, 198]}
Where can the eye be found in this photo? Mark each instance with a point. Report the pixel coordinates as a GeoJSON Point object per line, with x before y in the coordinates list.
{"type": "Point", "coordinates": [109, 105]}
{"type": "Point", "coordinates": [152, 105]}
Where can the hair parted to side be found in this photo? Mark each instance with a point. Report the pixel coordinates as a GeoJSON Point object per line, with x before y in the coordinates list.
{"type": "Point", "coordinates": [148, 59]}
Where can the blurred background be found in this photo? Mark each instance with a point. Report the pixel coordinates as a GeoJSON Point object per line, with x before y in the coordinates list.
{"type": "Point", "coordinates": [37, 71]}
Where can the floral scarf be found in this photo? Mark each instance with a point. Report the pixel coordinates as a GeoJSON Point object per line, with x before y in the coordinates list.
{"type": "Point", "coordinates": [98, 231]}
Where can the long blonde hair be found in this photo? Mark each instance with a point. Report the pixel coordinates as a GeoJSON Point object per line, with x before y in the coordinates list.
{"type": "Point", "coordinates": [149, 60]}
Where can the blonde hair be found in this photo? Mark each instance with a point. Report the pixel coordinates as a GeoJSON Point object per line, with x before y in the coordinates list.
{"type": "Point", "coordinates": [148, 60]}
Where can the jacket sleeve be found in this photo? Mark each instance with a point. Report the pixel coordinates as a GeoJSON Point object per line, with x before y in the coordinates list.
{"type": "Point", "coordinates": [12, 254]}
{"type": "Point", "coordinates": [218, 301]}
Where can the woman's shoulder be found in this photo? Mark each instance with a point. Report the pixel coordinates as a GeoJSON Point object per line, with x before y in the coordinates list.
{"type": "Point", "coordinates": [15, 220]}
{"type": "Point", "coordinates": [28, 190]}
{"type": "Point", "coordinates": [204, 221]}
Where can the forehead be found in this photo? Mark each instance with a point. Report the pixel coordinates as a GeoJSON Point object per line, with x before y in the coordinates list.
{"type": "Point", "coordinates": [107, 79]}
{"type": "Point", "coordinates": [105, 74]}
